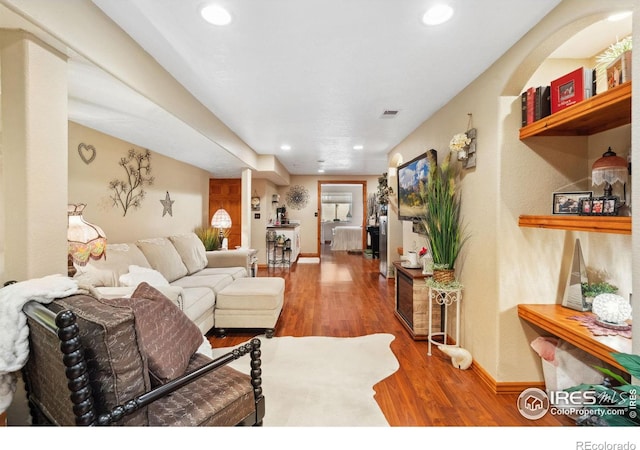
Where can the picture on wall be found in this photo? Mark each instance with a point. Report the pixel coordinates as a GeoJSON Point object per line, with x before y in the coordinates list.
{"type": "Point", "coordinates": [569, 202]}
{"type": "Point", "coordinates": [410, 176]}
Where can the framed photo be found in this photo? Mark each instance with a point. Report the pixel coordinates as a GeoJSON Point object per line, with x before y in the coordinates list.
{"type": "Point", "coordinates": [569, 202]}
{"type": "Point", "coordinates": [600, 206]}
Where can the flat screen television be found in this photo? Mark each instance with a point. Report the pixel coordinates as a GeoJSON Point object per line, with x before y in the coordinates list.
{"type": "Point", "coordinates": [410, 174]}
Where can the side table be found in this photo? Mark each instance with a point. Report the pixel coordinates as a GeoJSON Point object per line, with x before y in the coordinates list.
{"type": "Point", "coordinates": [444, 297]}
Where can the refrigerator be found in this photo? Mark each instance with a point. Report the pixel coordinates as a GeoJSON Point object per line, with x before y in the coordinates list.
{"type": "Point", "coordinates": [382, 244]}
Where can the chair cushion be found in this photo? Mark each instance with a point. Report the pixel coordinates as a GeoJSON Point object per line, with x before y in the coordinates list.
{"type": "Point", "coordinates": [118, 366]}
{"type": "Point", "coordinates": [191, 250]}
{"type": "Point", "coordinates": [169, 339]}
{"type": "Point", "coordinates": [222, 397]}
{"type": "Point", "coordinates": [163, 257]}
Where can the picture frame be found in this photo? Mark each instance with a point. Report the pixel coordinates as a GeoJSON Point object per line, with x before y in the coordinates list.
{"type": "Point", "coordinates": [600, 206]}
{"type": "Point", "coordinates": [569, 203]}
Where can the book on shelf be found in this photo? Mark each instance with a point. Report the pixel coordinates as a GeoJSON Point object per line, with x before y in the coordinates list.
{"type": "Point", "coordinates": [571, 88]}
{"type": "Point", "coordinates": [535, 103]}
{"type": "Point", "coordinates": [542, 102]}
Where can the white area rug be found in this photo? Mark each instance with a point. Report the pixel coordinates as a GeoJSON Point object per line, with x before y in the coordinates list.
{"type": "Point", "coordinates": [323, 381]}
{"type": "Point", "coordinates": [307, 260]}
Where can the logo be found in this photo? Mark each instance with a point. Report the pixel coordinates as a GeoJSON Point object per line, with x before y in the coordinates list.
{"type": "Point", "coordinates": [533, 403]}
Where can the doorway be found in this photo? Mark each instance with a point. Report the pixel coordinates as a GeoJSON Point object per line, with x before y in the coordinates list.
{"type": "Point", "coordinates": [340, 203]}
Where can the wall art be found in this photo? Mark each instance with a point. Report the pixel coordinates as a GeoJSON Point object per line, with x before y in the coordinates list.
{"type": "Point", "coordinates": [87, 153]}
{"type": "Point", "coordinates": [129, 192]}
{"type": "Point", "coordinates": [167, 203]}
{"type": "Point", "coordinates": [297, 197]}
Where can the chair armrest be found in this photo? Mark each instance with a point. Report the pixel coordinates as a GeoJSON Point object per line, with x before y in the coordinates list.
{"type": "Point", "coordinates": [252, 348]}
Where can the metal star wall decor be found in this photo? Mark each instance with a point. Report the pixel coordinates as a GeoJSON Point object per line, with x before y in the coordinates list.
{"type": "Point", "coordinates": [297, 197]}
{"type": "Point", "coordinates": [168, 205]}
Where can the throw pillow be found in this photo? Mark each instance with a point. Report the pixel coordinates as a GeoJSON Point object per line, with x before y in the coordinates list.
{"type": "Point", "coordinates": [191, 250]}
{"type": "Point", "coordinates": [139, 275]}
{"type": "Point", "coordinates": [168, 337]}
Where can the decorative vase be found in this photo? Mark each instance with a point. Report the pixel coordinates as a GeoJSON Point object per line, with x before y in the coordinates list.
{"type": "Point", "coordinates": [443, 275]}
{"type": "Point", "coordinates": [271, 235]}
{"type": "Point", "coordinates": [427, 265]}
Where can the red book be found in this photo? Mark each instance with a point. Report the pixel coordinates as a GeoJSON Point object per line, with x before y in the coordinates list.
{"type": "Point", "coordinates": [570, 89]}
{"type": "Point", "coordinates": [531, 105]}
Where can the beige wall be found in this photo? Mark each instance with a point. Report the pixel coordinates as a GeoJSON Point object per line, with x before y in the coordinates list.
{"type": "Point", "coordinates": [504, 265]}
{"type": "Point", "coordinates": [188, 187]}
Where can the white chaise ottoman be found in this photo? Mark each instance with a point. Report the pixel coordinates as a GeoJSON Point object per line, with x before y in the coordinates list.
{"type": "Point", "coordinates": [249, 303]}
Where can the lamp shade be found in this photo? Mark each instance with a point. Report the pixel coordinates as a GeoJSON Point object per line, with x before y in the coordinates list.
{"type": "Point", "coordinates": [609, 169]}
{"type": "Point", "coordinates": [85, 239]}
{"type": "Point", "coordinates": [221, 219]}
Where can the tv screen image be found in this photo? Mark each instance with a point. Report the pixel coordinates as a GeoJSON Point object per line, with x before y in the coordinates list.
{"type": "Point", "coordinates": [410, 175]}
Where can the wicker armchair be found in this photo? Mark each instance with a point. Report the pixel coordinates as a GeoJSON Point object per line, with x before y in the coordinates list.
{"type": "Point", "coordinates": [87, 366]}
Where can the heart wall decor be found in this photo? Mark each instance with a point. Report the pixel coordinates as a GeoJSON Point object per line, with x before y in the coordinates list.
{"type": "Point", "coordinates": [87, 153]}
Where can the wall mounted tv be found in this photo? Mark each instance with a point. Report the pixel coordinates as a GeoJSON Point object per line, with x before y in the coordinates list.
{"type": "Point", "coordinates": [410, 174]}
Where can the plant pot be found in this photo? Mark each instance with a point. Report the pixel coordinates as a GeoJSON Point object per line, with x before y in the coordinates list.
{"type": "Point", "coordinates": [443, 275]}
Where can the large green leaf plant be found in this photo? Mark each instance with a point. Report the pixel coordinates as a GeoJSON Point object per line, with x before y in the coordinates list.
{"type": "Point", "coordinates": [616, 405]}
{"type": "Point", "coordinates": [442, 222]}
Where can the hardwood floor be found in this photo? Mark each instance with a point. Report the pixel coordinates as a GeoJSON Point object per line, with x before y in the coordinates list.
{"type": "Point", "coordinates": [345, 296]}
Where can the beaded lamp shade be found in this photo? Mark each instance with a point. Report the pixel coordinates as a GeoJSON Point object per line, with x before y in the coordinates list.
{"type": "Point", "coordinates": [221, 219]}
{"type": "Point", "coordinates": [85, 239]}
{"type": "Point", "coordinates": [608, 170]}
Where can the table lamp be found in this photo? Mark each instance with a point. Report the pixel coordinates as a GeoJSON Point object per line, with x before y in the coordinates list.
{"type": "Point", "coordinates": [85, 239]}
{"type": "Point", "coordinates": [608, 170]}
{"type": "Point", "coordinates": [222, 221]}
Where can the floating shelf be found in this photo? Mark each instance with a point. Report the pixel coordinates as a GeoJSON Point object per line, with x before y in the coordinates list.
{"type": "Point", "coordinates": [598, 224]}
{"type": "Point", "coordinates": [605, 111]}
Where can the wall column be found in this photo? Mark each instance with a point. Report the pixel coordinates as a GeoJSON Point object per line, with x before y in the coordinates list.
{"type": "Point", "coordinates": [247, 217]}
{"type": "Point", "coordinates": [34, 150]}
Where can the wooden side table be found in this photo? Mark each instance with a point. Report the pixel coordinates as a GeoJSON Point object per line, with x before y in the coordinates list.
{"type": "Point", "coordinates": [444, 298]}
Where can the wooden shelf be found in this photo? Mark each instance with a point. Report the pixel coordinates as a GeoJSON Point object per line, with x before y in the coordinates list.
{"type": "Point", "coordinates": [605, 111]}
{"type": "Point", "coordinates": [555, 319]}
{"type": "Point", "coordinates": [598, 224]}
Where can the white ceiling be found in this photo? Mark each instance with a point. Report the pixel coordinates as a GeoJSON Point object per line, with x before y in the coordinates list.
{"type": "Point", "coordinates": [314, 74]}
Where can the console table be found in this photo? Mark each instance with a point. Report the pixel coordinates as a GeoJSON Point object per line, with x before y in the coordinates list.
{"type": "Point", "coordinates": [555, 319]}
{"type": "Point", "coordinates": [412, 302]}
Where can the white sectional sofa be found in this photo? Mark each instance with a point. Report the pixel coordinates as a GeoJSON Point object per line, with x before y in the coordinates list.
{"type": "Point", "coordinates": [179, 266]}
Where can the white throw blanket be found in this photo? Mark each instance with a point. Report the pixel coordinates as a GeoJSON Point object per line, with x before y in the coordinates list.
{"type": "Point", "coordinates": [14, 332]}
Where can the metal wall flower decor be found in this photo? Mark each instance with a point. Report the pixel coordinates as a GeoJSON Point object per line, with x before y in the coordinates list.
{"type": "Point", "coordinates": [464, 144]}
{"type": "Point", "coordinates": [297, 197]}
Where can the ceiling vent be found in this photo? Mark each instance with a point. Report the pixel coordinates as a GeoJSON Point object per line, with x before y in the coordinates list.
{"type": "Point", "coordinates": [389, 113]}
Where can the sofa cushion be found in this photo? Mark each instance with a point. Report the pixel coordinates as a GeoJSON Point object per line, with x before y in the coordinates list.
{"type": "Point", "coordinates": [139, 275]}
{"type": "Point", "coordinates": [214, 282]}
{"type": "Point", "coordinates": [191, 250]}
{"type": "Point", "coordinates": [169, 339]}
{"type": "Point", "coordinates": [235, 272]}
{"type": "Point", "coordinates": [198, 301]}
{"type": "Point", "coordinates": [107, 271]}
{"type": "Point", "coordinates": [263, 293]}
{"type": "Point", "coordinates": [163, 257]}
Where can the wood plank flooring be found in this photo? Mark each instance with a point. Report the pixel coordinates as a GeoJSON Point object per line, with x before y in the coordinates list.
{"type": "Point", "coordinates": [345, 296]}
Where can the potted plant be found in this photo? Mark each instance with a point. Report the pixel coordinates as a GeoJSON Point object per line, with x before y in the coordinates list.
{"type": "Point", "coordinates": [442, 221]}
{"type": "Point", "coordinates": [209, 237]}
{"type": "Point", "coordinates": [591, 290]}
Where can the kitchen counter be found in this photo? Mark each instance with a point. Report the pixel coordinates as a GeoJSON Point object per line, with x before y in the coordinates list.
{"type": "Point", "coordinates": [286, 225]}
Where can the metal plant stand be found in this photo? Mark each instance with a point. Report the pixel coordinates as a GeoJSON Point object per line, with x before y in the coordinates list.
{"type": "Point", "coordinates": [444, 298]}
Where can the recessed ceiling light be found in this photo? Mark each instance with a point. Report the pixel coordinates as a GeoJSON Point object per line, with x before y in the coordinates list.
{"type": "Point", "coordinates": [285, 147]}
{"type": "Point", "coordinates": [619, 16]}
{"type": "Point", "coordinates": [216, 15]}
{"type": "Point", "coordinates": [437, 14]}
{"type": "Point", "coordinates": [358, 147]}
{"type": "Point", "coordinates": [320, 170]}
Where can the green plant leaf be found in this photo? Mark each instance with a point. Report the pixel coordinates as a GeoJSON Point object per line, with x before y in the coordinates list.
{"type": "Point", "coordinates": [630, 362]}
{"type": "Point", "coordinates": [611, 374]}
